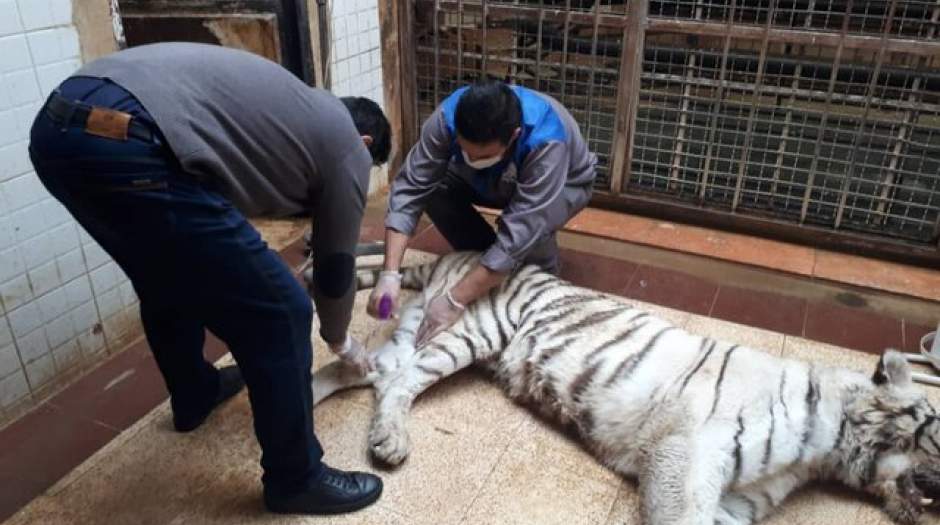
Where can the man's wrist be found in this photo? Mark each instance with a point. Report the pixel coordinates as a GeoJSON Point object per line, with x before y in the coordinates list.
{"type": "Point", "coordinates": [396, 243]}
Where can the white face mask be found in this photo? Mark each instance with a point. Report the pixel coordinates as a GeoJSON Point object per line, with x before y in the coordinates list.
{"type": "Point", "coordinates": [481, 164]}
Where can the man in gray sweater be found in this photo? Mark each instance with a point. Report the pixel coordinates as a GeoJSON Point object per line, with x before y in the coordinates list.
{"type": "Point", "coordinates": [499, 146]}
{"type": "Point", "coordinates": [160, 152]}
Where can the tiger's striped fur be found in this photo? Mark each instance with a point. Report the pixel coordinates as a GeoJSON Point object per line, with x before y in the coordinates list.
{"type": "Point", "coordinates": [714, 432]}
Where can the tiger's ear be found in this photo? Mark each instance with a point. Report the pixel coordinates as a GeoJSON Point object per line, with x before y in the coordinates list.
{"type": "Point", "coordinates": [892, 369]}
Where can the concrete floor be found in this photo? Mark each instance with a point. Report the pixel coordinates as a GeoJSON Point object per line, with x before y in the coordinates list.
{"type": "Point", "coordinates": [477, 458]}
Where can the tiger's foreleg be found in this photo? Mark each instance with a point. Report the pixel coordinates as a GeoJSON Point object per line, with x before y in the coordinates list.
{"type": "Point", "coordinates": [449, 353]}
{"type": "Point", "coordinates": [386, 359]}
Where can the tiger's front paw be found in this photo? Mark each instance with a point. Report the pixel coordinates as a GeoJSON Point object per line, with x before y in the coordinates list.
{"type": "Point", "coordinates": [906, 506]}
{"type": "Point", "coordinates": [389, 441]}
{"type": "Point", "coordinates": [904, 514]}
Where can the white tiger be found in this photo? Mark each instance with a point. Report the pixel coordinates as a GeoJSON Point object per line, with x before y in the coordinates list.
{"type": "Point", "coordinates": [715, 433]}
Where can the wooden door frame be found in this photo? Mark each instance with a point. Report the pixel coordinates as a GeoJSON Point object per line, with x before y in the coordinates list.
{"type": "Point", "coordinates": [399, 78]}
{"type": "Point", "coordinates": [294, 29]}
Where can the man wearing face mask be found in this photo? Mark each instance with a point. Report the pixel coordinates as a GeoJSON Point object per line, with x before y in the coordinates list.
{"type": "Point", "coordinates": [498, 146]}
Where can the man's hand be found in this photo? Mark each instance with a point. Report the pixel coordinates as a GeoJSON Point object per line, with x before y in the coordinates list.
{"type": "Point", "coordinates": [354, 354]}
{"type": "Point", "coordinates": [389, 285]}
{"type": "Point", "coordinates": [444, 310]}
{"type": "Point", "coordinates": [441, 313]}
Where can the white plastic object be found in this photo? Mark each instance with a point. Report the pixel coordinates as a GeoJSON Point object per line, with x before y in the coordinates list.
{"type": "Point", "coordinates": [929, 354]}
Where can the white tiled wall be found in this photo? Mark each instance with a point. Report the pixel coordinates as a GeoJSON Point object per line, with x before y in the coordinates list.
{"type": "Point", "coordinates": [64, 303]}
{"type": "Point", "coordinates": [356, 58]}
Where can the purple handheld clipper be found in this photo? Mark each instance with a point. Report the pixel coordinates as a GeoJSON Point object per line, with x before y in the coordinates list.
{"type": "Point", "coordinates": [385, 307]}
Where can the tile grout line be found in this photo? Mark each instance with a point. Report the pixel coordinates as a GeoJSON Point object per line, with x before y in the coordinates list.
{"type": "Point", "coordinates": [613, 505]}
{"type": "Point", "coordinates": [711, 308]}
{"type": "Point", "coordinates": [110, 427]}
{"type": "Point", "coordinates": [904, 335]}
{"type": "Point", "coordinates": [633, 275]}
{"type": "Point", "coordinates": [805, 320]}
{"type": "Point", "coordinates": [489, 475]}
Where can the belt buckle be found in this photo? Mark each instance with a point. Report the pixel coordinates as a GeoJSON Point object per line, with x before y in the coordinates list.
{"type": "Point", "coordinates": [108, 123]}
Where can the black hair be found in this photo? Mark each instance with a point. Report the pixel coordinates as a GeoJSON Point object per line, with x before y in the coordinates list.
{"type": "Point", "coordinates": [370, 120]}
{"type": "Point", "coordinates": [488, 111]}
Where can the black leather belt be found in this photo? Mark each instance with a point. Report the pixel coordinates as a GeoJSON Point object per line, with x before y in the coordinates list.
{"type": "Point", "coordinates": [65, 112]}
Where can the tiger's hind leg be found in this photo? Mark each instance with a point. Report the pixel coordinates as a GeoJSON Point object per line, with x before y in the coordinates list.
{"type": "Point", "coordinates": [665, 484]}
{"type": "Point", "coordinates": [388, 437]}
{"type": "Point", "coordinates": [735, 509]}
{"type": "Point", "coordinates": [756, 501]}
{"type": "Point", "coordinates": [681, 482]}
{"type": "Point", "coordinates": [337, 376]}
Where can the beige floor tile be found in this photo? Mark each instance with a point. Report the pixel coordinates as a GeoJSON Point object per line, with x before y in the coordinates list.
{"type": "Point", "coordinates": [235, 498]}
{"type": "Point", "coordinates": [870, 514]}
{"type": "Point", "coordinates": [883, 275]}
{"type": "Point", "coordinates": [815, 505]}
{"type": "Point", "coordinates": [156, 475]}
{"type": "Point", "coordinates": [280, 233]}
{"type": "Point", "coordinates": [43, 510]}
{"type": "Point", "coordinates": [440, 479]}
{"type": "Point", "coordinates": [539, 438]}
{"type": "Point", "coordinates": [528, 489]}
{"type": "Point", "coordinates": [626, 509]}
{"type": "Point", "coordinates": [244, 515]}
{"type": "Point", "coordinates": [676, 317]}
{"type": "Point", "coordinates": [829, 355]}
{"type": "Point", "coordinates": [756, 338]}
{"type": "Point", "coordinates": [470, 397]}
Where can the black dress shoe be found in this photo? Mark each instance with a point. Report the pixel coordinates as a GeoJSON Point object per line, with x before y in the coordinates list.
{"type": "Point", "coordinates": [230, 383]}
{"type": "Point", "coordinates": [336, 492]}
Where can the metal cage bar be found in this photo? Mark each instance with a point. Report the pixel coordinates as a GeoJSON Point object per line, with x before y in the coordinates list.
{"type": "Point", "coordinates": [814, 114]}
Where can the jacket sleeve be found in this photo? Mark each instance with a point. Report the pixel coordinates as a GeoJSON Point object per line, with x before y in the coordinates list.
{"type": "Point", "coordinates": [337, 216]}
{"type": "Point", "coordinates": [419, 175]}
{"type": "Point", "coordinates": [539, 206]}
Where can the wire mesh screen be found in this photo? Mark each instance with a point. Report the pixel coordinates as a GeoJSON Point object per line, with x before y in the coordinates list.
{"type": "Point", "coordinates": [801, 110]}
{"type": "Point", "coordinates": [576, 61]}
{"type": "Point", "coordinates": [842, 138]}
{"type": "Point", "coordinates": [911, 19]}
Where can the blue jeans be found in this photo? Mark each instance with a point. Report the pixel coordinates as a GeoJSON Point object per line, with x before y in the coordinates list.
{"type": "Point", "coordinates": [196, 264]}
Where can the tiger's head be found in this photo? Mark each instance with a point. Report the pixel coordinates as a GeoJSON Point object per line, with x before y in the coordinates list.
{"type": "Point", "coordinates": [890, 441]}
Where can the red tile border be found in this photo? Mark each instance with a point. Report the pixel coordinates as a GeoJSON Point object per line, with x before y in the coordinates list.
{"type": "Point", "coordinates": [877, 274]}
{"type": "Point", "coordinates": [214, 348]}
{"type": "Point", "coordinates": [913, 334]}
{"type": "Point", "coordinates": [672, 289]}
{"type": "Point", "coordinates": [760, 309]}
{"type": "Point", "coordinates": [852, 328]}
{"type": "Point", "coordinates": [756, 252]}
{"type": "Point", "coordinates": [598, 272]}
{"type": "Point", "coordinates": [40, 448]}
{"type": "Point", "coordinates": [117, 393]}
